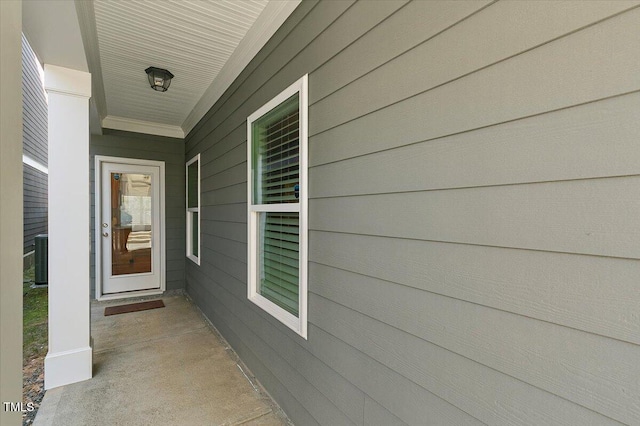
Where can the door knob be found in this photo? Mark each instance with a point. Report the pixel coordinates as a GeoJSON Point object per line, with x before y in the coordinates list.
{"type": "Point", "coordinates": [105, 234]}
{"type": "Point", "coordinates": [105, 225]}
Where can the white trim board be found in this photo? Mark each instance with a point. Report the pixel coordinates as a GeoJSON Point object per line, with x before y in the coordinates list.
{"type": "Point", "coordinates": [140, 126]}
{"type": "Point", "coordinates": [35, 164]}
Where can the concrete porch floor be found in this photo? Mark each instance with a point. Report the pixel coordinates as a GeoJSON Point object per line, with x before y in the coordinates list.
{"type": "Point", "coordinates": [164, 366]}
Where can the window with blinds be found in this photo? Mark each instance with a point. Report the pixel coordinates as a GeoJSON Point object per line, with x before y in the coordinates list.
{"type": "Point", "coordinates": [277, 208]}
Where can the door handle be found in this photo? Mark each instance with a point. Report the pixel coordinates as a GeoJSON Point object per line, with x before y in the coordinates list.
{"type": "Point", "coordinates": [105, 234]}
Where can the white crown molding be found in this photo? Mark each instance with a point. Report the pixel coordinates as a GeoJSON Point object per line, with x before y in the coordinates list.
{"type": "Point", "coordinates": [271, 18]}
{"type": "Point", "coordinates": [139, 126]}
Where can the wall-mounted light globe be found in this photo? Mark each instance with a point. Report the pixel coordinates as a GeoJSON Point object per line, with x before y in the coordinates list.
{"type": "Point", "coordinates": [159, 79]}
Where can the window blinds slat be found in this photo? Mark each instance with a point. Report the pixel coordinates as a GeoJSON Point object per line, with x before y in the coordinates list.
{"type": "Point", "coordinates": [287, 192]}
{"type": "Point", "coordinates": [283, 179]}
{"type": "Point", "coordinates": [271, 287]}
{"type": "Point", "coordinates": [273, 176]}
{"type": "Point", "coordinates": [275, 139]}
{"type": "Point", "coordinates": [283, 245]}
{"type": "Point", "coordinates": [275, 237]}
{"type": "Point", "coordinates": [280, 258]}
{"type": "Point", "coordinates": [285, 254]}
{"type": "Point", "coordinates": [284, 220]}
{"type": "Point", "coordinates": [291, 159]}
{"type": "Point", "coordinates": [284, 278]}
{"type": "Point", "coordinates": [274, 282]}
{"type": "Point", "coordinates": [285, 123]}
{"type": "Point", "coordinates": [286, 149]}
{"type": "Point", "coordinates": [285, 290]}
{"type": "Point", "coordinates": [276, 146]}
{"type": "Point", "coordinates": [285, 303]}
{"type": "Point", "coordinates": [278, 136]}
{"type": "Point", "coordinates": [288, 158]}
{"type": "Point", "coordinates": [288, 184]}
{"type": "Point", "coordinates": [280, 176]}
{"type": "Point", "coordinates": [287, 115]}
{"type": "Point", "coordinates": [282, 252]}
{"type": "Point", "coordinates": [286, 199]}
{"type": "Point", "coordinates": [279, 151]}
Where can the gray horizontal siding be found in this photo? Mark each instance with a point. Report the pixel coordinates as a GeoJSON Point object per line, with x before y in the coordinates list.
{"type": "Point", "coordinates": [147, 147]}
{"type": "Point", "coordinates": [35, 206]}
{"type": "Point", "coordinates": [34, 145]}
{"type": "Point", "coordinates": [448, 353]}
{"type": "Point", "coordinates": [564, 145]}
{"type": "Point", "coordinates": [480, 54]}
{"type": "Point", "coordinates": [563, 297]}
{"type": "Point", "coordinates": [34, 114]}
{"type": "Point", "coordinates": [488, 96]}
{"type": "Point", "coordinates": [538, 216]}
{"type": "Point", "coordinates": [473, 197]}
{"type": "Point", "coordinates": [377, 415]}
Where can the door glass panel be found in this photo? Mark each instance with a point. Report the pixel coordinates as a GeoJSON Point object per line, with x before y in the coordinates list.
{"type": "Point", "coordinates": [131, 223]}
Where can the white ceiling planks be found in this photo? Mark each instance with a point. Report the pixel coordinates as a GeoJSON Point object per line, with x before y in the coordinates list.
{"type": "Point", "coordinates": [193, 39]}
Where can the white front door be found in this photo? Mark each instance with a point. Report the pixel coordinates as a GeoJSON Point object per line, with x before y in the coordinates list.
{"type": "Point", "coordinates": [130, 228]}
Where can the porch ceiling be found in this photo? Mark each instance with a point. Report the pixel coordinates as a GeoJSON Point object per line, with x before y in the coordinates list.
{"type": "Point", "coordinates": [205, 44]}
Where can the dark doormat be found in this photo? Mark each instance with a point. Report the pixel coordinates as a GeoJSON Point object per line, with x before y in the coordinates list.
{"type": "Point", "coordinates": [133, 307]}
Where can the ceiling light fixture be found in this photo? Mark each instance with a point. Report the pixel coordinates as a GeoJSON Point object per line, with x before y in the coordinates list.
{"type": "Point", "coordinates": [159, 79]}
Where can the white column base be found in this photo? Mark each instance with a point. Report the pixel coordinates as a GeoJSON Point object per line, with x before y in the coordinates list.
{"type": "Point", "coordinates": [64, 368]}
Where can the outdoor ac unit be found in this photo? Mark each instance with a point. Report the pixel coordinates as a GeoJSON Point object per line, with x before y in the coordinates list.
{"type": "Point", "coordinates": [42, 259]}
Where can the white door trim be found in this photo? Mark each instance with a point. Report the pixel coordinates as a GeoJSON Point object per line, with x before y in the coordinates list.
{"type": "Point", "coordinates": [99, 159]}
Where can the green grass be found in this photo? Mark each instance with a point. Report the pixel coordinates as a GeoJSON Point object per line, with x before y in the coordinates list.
{"type": "Point", "coordinates": [28, 278]}
{"type": "Point", "coordinates": [34, 318]}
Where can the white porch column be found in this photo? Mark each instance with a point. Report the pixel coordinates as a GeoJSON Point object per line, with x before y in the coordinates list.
{"type": "Point", "coordinates": [70, 354]}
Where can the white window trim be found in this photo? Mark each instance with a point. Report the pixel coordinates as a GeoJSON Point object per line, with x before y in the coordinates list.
{"type": "Point", "coordinates": [299, 323]}
{"type": "Point", "coordinates": [190, 255]}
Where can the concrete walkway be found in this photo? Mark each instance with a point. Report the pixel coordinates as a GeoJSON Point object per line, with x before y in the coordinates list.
{"type": "Point", "coordinates": [164, 366]}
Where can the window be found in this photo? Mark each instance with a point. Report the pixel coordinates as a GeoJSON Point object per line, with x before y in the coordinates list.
{"type": "Point", "coordinates": [277, 207]}
{"type": "Point", "coordinates": [193, 209]}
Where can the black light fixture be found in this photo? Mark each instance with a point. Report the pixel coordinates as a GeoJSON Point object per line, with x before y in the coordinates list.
{"type": "Point", "coordinates": [159, 79]}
